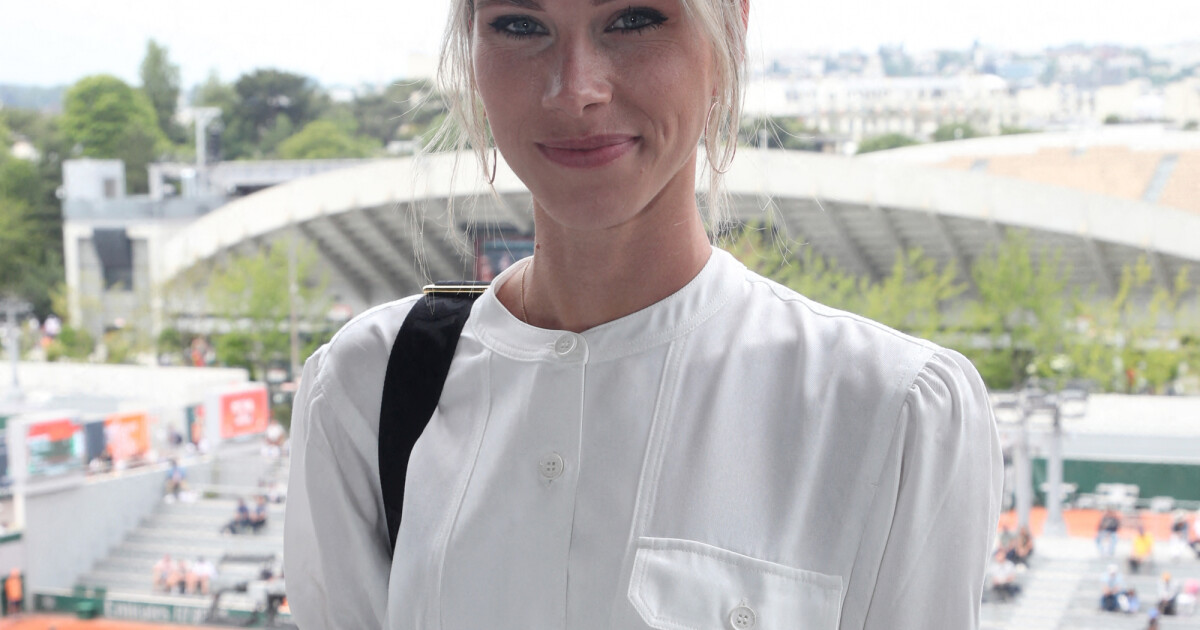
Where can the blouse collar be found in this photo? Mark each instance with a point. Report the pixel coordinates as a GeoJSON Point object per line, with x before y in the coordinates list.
{"type": "Point", "coordinates": [656, 324]}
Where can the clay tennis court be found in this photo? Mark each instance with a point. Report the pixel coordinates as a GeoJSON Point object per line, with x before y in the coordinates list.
{"type": "Point", "coordinates": [62, 622]}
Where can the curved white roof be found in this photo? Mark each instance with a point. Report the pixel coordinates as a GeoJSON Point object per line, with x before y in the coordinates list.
{"type": "Point", "coordinates": [856, 210]}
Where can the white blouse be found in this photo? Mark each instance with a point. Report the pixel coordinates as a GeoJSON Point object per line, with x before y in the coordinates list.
{"type": "Point", "coordinates": [734, 456]}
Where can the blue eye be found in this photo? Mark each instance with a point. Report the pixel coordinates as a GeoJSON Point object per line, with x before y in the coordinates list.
{"type": "Point", "coordinates": [518, 26]}
{"type": "Point", "coordinates": [636, 20]}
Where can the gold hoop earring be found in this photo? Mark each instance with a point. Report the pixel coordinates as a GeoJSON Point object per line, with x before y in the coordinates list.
{"type": "Point", "coordinates": [711, 163]}
{"type": "Point", "coordinates": [495, 161]}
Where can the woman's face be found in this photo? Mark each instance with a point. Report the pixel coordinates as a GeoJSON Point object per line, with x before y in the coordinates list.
{"type": "Point", "coordinates": [597, 105]}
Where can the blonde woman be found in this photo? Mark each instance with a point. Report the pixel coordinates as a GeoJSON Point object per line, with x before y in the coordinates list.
{"type": "Point", "coordinates": [635, 430]}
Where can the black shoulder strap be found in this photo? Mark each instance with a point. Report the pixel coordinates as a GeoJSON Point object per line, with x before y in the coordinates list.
{"type": "Point", "coordinates": [416, 372]}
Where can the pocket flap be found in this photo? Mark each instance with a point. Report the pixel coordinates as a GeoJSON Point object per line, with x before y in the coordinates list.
{"type": "Point", "coordinates": [678, 584]}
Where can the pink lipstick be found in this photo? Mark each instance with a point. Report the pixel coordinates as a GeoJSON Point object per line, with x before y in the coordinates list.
{"type": "Point", "coordinates": [589, 151]}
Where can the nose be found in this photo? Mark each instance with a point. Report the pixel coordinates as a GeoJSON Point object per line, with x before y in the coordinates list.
{"type": "Point", "coordinates": [579, 78]}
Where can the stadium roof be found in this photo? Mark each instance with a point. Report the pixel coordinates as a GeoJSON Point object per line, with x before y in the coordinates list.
{"type": "Point", "coordinates": [364, 221]}
{"type": "Point", "coordinates": [1139, 162]}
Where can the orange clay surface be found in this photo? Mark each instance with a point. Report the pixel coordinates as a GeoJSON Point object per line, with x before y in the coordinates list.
{"type": "Point", "coordinates": [60, 622]}
{"type": "Point", "coordinates": [1083, 523]}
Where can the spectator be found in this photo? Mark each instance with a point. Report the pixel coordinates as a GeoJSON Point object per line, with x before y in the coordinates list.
{"type": "Point", "coordinates": [1004, 577]}
{"type": "Point", "coordinates": [1195, 538]}
{"type": "Point", "coordinates": [204, 573]}
{"type": "Point", "coordinates": [177, 577]}
{"type": "Point", "coordinates": [1106, 533]}
{"type": "Point", "coordinates": [176, 477]}
{"type": "Point", "coordinates": [1143, 549]}
{"type": "Point", "coordinates": [162, 570]}
{"type": "Point", "coordinates": [1185, 602]}
{"type": "Point", "coordinates": [1168, 592]}
{"type": "Point", "coordinates": [1021, 550]}
{"type": "Point", "coordinates": [1179, 536]}
{"type": "Point", "coordinates": [241, 519]}
{"type": "Point", "coordinates": [14, 592]}
{"type": "Point", "coordinates": [258, 520]}
{"type": "Point", "coordinates": [1130, 602]}
{"type": "Point", "coordinates": [1112, 589]}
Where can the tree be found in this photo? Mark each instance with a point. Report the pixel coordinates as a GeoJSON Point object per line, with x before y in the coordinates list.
{"type": "Point", "coordinates": [262, 97]}
{"type": "Point", "coordinates": [323, 139]}
{"type": "Point", "coordinates": [954, 131]}
{"type": "Point", "coordinates": [108, 119]}
{"type": "Point", "coordinates": [30, 250]}
{"type": "Point", "coordinates": [160, 83]}
{"type": "Point", "coordinates": [251, 293]}
{"type": "Point", "coordinates": [885, 142]}
{"type": "Point", "coordinates": [405, 110]}
{"type": "Point", "coordinates": [1023, 308]}
{"type": "Point", "coordinates": [911, 297]}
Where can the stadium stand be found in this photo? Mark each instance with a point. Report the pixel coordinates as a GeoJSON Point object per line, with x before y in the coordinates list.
{"type": "Point", "coordinates": [1183, 189]}
{"type": "Point", "coordinates": [190, 529]}
{"type": "Point", "coordinates": [1061, 590]}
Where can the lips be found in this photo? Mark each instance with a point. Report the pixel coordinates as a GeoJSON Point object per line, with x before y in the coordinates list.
{"type": "Point", "coordinates": [589, 151]}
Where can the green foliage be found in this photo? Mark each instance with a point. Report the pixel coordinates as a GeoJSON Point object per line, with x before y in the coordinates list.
{"type": "Point", "coordinates": [404, 111]}
{"type": "Point", "coordinates": [5, 138]}
{"type": "Point", "coordinates": [912, 297]}
{"type": "Point", "coordinates": [885, 142]}
{"type": "Point", "coordinates": [253, 127]}
{"type": "Point", "coordinates": [323, 139]}
{"type": "Point", "coordinates": [1112, 119]}
{"type": "Point", "coordinates": [71, 343]}
{"type": "Point", "coordinates": [1015, 131]}
{"type": "Point", "coordinates": [160, 83]}
{"type": "Point", "coordinates": [780, 132]}
{"type": "Point", "coordinates": [1023, 303]}
{"type": "Point", "coordinates": [954, 131]}
{"type": "Point", "coordinates": [108, 119]}
{"type": "Point", "coordinates": [251, 292]}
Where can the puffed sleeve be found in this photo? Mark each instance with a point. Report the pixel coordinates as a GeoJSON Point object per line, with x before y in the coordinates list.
{"type": "Point", "coordinates": [946, 474]}
{"type": "Point", "coordinates": [336, 562]}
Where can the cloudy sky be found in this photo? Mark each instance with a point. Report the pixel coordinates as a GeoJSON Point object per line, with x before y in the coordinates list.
{"type": "Point", "coordinates": [50, 42]}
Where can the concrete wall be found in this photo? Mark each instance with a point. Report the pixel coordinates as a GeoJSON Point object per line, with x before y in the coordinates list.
{"type": "Point", "coordinates": [12, 555]}
{"type": "Point", "coordinates": [138, 386]}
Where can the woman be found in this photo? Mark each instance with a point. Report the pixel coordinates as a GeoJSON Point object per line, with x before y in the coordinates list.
{"type": "Point", "coordinates": [636, 431]}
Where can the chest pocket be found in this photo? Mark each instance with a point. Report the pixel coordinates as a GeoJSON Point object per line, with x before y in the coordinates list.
{"type": "Point", "coordinates": [682, 584]}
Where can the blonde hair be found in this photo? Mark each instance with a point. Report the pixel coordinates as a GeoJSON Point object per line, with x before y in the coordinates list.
{"type": "Point", "coordinates": [722, 21]}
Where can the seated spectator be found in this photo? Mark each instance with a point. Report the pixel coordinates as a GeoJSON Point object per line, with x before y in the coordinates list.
{"type": "Point", "coordinates": [1106, 533]}
{"type": "Point", "coordinates": [201, 576]}
{"type": "Point", "coordinates": [1022, 549]}
{"type": "Point", "coordinates": [1112, 589]}
{"type": "Point", "coordinates": [162, 569]}
{"type": "Point", "coordinates": [176, 477]}
{"type": "Point", "coordinates": [1179, 536]}
{"type": "Point", "coordinates": [1194, 539]}
{"type": "Point", "coordinates": [177, 577]}
{"type": "Point", "coordinates": [1143, 549]}
{"type": "Point", "coordinates": [241, 519]}
{"type": "Point", "coordinates": [1168, 593]}
{"type": "Point", "coordinates": [1185, 602]}
{"type": "Point", "coordinates": [259, 518]}
{"type": "Point", "coordinates": [1130, 603]}
{"type": "Point", "coordinates": [1004, 577]}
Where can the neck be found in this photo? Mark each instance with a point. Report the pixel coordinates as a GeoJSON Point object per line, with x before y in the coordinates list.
{"type": "Point", "coordinates": [579, 279]}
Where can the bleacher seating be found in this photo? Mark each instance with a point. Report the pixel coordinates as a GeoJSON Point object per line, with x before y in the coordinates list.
{"type": "Point", "coordinates": [189, 530]}
{"type": "Point", "coordinates": [1063, 592]}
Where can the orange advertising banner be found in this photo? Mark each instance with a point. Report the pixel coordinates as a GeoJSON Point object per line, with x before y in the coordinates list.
{"type": "Point", "coordinates": [127, 434]}
{"type": "Point", "coordinates": [244, 412]}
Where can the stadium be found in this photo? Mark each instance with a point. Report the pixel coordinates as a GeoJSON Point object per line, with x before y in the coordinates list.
{"type": "Point", "coordinates": [1104, 198]}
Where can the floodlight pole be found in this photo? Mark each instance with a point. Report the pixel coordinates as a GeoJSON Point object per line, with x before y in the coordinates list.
{"type": "Point", "coordinates": [1023, 468]}
{"type": "Point", "coordinates": [12, 339]}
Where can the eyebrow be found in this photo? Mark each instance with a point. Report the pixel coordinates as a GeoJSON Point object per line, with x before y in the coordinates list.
{"type": "Point", "coordinates": [531, 5]}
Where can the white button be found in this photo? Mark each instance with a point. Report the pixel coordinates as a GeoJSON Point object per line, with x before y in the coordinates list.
{"type": "Point", "coordinates": [565, 345]}
{"type": "Point", "coordinates": [742, 618]}
{"type": "Point", "coordinates": [551, 466]}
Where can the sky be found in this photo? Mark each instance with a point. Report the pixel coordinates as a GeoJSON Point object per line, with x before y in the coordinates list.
{"type": "Point", "coordinates": [55, 42]}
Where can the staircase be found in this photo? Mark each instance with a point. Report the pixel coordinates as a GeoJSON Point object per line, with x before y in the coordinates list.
{"type": "Point", "coordinates": [189, 530]}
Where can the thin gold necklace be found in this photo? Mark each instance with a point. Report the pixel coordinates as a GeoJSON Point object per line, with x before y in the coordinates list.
{"type": "Point", "coordinates": [524, 313]}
